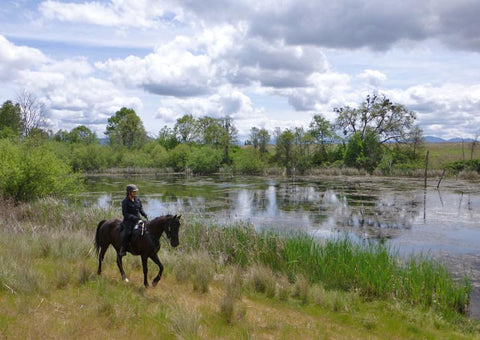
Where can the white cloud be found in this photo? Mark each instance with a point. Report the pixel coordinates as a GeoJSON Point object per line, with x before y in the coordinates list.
{"type": "Point", "coordinates": [115, 13]}
{"type": "Point", "coordinates": [373, 78]}
{"type": "Point", "coordinates": [264, 63]}
{"type": "Point", "coordinates": [14, 59]}
{"type": "Point", "coordinates": [450, 110]}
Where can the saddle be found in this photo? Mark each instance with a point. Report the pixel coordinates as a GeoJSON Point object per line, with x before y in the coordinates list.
{"type": "Point", "coordinates": [138, 230]}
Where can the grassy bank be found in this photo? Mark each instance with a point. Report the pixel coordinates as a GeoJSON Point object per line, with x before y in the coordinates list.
{"type": "Point", "coordinates": [222, 282]}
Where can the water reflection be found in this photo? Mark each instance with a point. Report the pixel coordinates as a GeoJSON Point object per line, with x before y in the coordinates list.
{"type": "Point", "coordinates": [395, 210]}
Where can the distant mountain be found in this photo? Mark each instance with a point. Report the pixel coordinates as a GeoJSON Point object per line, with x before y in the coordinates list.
{"type": "Point", "coordinates": [433, 139]}
{"type": "Point", "coordinates": [459, 140]}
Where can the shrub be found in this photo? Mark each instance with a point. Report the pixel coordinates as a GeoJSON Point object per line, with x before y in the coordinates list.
{"type": "Point", "coordinates": [31, 171]}
{"type": "Point", "coordinates": [204, 160]}
{"type": "Point", "coordinates": [177, 158]}
{"type": "Point", "coordinates": [248, 161]}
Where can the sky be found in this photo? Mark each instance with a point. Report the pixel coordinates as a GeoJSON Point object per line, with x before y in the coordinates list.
{"type": "Point", "coordinates": [264, 63]}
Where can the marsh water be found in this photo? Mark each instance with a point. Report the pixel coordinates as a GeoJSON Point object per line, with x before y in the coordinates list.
{"type": "Point", "coordinates": [443, 222]}
{"type": "Point", "coordinates": [398, 210]}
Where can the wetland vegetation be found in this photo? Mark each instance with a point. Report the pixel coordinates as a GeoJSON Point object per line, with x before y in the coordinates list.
{"type": "Point", "coordinates": [226, 279]}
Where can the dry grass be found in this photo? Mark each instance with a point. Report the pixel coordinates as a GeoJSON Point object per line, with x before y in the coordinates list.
{"type": "Point", "coordinates": [49, 290]}
{"type": "Point", "coordinates": [444, 153]}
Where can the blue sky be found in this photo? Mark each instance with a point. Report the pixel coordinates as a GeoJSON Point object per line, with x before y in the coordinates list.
{"type": "Point", "coordinates": [264, 63]}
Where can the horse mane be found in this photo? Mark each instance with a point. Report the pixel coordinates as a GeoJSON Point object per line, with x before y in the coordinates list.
{"type": "Point", "coordinates": [163, 217]}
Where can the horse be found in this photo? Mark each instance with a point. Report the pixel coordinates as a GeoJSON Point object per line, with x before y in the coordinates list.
{"type": "Point", "coordinates": [144, 242]}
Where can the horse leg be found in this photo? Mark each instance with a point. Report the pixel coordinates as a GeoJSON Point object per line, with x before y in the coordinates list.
{"type": "Point", "coordinates": [145, 270]}
{"type": "Point", "coordinates": [100, 259]}
{"type": "Point", "coordinates": [155, 259]}
{"type": "Point", "coordinates": [120, 267]}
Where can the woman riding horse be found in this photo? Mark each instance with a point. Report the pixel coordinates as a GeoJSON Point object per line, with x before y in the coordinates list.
{"type": "Point", "coordinates": [131, 210]}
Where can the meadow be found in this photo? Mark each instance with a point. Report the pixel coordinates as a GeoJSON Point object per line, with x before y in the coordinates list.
{"type": "Point", "coordinates": [222, 282]}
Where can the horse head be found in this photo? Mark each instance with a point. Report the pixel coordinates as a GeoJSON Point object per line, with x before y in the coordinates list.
{"type": "Point", "coordinates": [171, 229]}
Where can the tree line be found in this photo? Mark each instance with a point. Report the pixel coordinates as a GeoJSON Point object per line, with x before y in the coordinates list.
{"type": "Point", "coordinates": [378, 134]}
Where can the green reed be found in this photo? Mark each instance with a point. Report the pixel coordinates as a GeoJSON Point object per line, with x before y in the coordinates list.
{"type": "Point", "coordinates": [62, 232]}
{"type": "Point", "coordinates": [373, 270]}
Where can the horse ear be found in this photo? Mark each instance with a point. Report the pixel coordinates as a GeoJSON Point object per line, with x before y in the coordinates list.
{"type": "Point", "coordinates": [178, 217]}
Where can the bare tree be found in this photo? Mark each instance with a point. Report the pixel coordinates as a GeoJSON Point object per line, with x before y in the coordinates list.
{"type": "Point", "coordinates": [33, 113]}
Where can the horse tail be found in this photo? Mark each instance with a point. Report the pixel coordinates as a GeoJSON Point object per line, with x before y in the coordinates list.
{"type": "Point", "coordinates": [97, 236]}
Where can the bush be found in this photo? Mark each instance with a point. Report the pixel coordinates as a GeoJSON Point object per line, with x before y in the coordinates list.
{"type": "Point", "coordinates": [32, 171]}
{"type": "Point", "coordinates": [88, 158]}
{"type": "Point", "coordinates": [157, 155]}
{"type": "Point", "coordinates": [248, 161]}
{"type": "Point", "coordinates": [177, 158]}
{"type": "Point", "coordinates": [205, 160]}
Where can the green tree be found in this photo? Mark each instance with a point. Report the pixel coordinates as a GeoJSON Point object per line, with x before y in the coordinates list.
{"type": "Point", "coordinates": [228, 138]}
{"type": "Point", "coordinates": [285, 149]}
{"type": "Point", "coordinates": [263, 140]}
{"type": "Point", "coordinates": [81, 134]}
{"type": "Point", "coordinates": [388, 120]}
{"type": "Point", "coordinates": [210, 131]}
{"type": "Point", "coordinates": [61, 136]}
{"type": "Point", "coordinates": [364, 153]}
{"type": "Point", "coordinates": [11, 118]}
{"type": "Point", "coordinates": [353, 150]}
{"type": "Point", "coordinates": [126, 128]}
{"type": "Point", "coordinates": [167, 138]}
{"type": "Point", "coordinates": [372, 151]}
{"type": "Point", "coordinates": [259, 138]}
{"type": "Point", "coordinates": [323, 133]}
{"type": "Point", "coordinates": [186, 129]}
{"type": "Point", "coordinates": [303, 143]}
{"type": "Point", "coordinates": [254, 140]}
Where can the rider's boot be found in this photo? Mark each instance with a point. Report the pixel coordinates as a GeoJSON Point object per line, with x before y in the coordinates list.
{"type": "Point", "coordinates": [123, 249]}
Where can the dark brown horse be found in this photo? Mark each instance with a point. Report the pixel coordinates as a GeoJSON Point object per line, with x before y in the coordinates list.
{"type": "Point", "coordinates": [145, 243]}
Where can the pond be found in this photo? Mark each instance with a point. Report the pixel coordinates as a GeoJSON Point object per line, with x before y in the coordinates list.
{"type": "Point", "coordinates": [399, 210]}
{"type": "Point", "coordinates": [443, 222]}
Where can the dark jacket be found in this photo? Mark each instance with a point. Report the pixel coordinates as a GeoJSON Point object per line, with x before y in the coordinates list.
{"type": "Point", "coordinates": [131, 210]}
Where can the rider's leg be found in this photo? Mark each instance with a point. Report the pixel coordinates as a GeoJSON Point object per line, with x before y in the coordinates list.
{"type": "Point", "coordinates": [126, 238]}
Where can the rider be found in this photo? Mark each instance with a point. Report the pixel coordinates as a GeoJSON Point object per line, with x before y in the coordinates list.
{"type": "Point", "coordinates": [131, 210]}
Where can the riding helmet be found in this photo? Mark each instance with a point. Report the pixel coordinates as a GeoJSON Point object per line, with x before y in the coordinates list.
{"type": "Point", "coordinates": [131, 187]}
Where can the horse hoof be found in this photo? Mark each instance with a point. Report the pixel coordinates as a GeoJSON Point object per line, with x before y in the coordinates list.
{"type": "Point", "coordinates": [126, 280]}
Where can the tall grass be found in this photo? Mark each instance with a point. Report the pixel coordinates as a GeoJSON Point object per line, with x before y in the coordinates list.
{"type": "Point", "coordinates": [373, 269]}
{"type": "Point", "coordinates": [62, 235]}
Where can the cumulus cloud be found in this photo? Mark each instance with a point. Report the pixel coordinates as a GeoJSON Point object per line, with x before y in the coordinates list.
{"type": "Point", "coordinates": [449, 110]}
{"type": "Point", "coordinates": [336, 24]}
{"type": "Point", "coordinates": [372, 77]}
{"type": "Point", "coordinates": [261, 62]}
{"type": "Point", "coordinates": [70, 92]}
{"type": "Point", "coordinates": [14, 59]}
{"type": "Point", "coordinates": [227, 102]}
